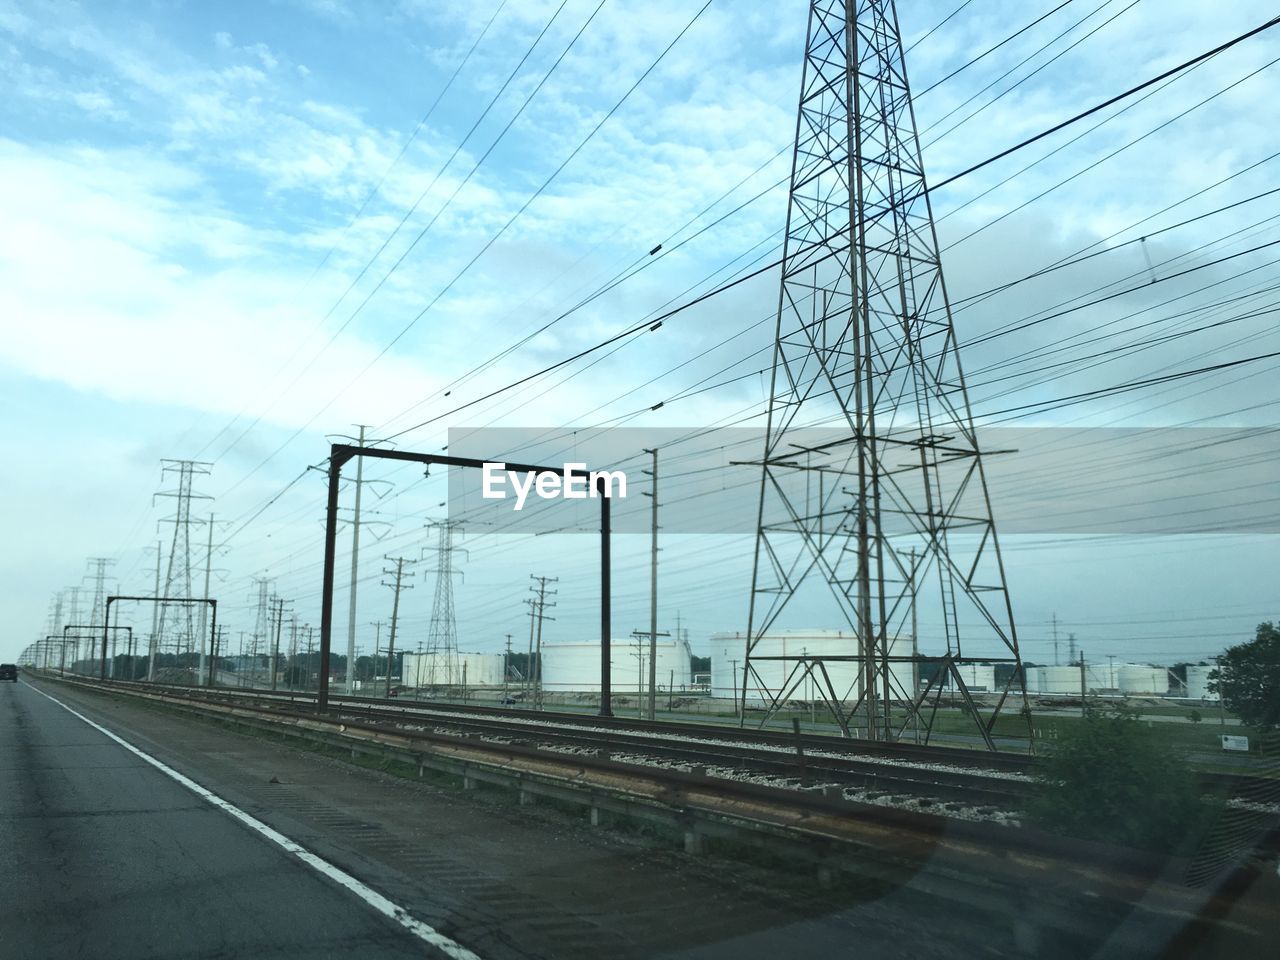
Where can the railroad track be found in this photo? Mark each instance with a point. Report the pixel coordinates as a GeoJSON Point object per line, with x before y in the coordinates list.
{"type": "Point", "coordinates": [868, 749]}
{"type": "Point", "coordinates": [958, 783]}
{"type": "Point", "coordinates": [913, 777]}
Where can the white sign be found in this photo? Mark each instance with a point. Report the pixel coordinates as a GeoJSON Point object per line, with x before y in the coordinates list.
{"type": "Point", "coordinates": [576, 484]}
{"type": "Point", "coordinates": [1235, 743]}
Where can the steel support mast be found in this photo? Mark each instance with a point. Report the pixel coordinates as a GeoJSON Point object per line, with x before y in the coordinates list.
{"type": "Point", "coordinates": [870, 450]}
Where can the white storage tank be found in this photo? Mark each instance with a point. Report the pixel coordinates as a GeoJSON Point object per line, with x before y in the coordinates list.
{"type": "Point", "coordinates": [1198, 682]}
{"type": "Point", "coordinates": [1056, 681]}
{"type": "Point", "coordinates": [771, 678]}
{"type": "Point", "coordinates": [1102, 677]}
{"type": "Point", "coordinates": [978, 677]}
{"type": "Point", "coordinates": [1034, 678]}
{"type": "Point", "coordinates": [1099, 678]}
{"type": "Point", "coordinates": [1138, 678]}
{"type": "Point", "coordinates": [433, 669]}
{"type": "Point", "coordinates": [574, 667]}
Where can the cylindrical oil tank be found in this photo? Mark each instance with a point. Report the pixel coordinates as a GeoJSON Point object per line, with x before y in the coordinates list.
{"type": "Point", "coordinates": [574, 667]}
{"type": "Point", "coordinates": [433, 669]}
{"type": "Point", "coordinates": [777, 663]}
{"type": "Point", "coordinates": [1102, 677]}
{"type": "Point", "coordinates": [484, 669]}
{"type": "Point", "coordinates": [1058, 681]}
{"type": "Point", "coordinates": [1140, 678]}
{"type": "Point", "coordinates": [977, 677]}
{"type": "Point", "coordinates": [1198, 682]}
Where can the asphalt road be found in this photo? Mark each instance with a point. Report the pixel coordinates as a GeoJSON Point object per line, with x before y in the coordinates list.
{"type": "Point", "coordinates": [106, 856]}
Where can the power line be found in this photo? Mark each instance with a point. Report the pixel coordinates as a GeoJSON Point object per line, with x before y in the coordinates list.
{"type": "Point", "coordinates": [992, 49]}
{"type": "Point", "coordinates": [488, 244]}
{"type": "Point", "coordinates": [1104, 104]}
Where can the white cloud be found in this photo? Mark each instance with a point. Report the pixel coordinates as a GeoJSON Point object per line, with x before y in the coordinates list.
{"type": "Point", "coordinates": [166, 203]}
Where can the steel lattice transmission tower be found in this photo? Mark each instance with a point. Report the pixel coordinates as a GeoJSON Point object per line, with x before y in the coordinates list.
{"type": "Point", "coordinates": [99, 576]}
{"type": "Point", "coordinates": [262, 622]}
{"type": "Point", "coordinates": [888, 501]}
{"type": "Point", "coordinates": [442, 637]}
{"type": "Point", "coordinates": [177, 581]}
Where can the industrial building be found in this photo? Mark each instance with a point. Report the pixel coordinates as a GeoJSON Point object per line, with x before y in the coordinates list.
{"type": "Point", "coordinates": [574, 667]}
{"type": "Point", "coordinates": [439, 670]}
{"type": "Point", "coordinates": [770, 678]}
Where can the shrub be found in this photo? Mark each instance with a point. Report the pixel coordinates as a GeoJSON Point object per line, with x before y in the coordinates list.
{"type": "Point", "coordinates": [1109, 778]}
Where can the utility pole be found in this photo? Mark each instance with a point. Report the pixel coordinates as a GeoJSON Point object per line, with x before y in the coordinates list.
{"type": "Point", "coordinates": [293, 650]}
{"type": "Point", "coordinates": [1071, 648]}
{"type": "Point", "coordinates": [915, 638]}
{"type": "Point", "coordinates": [639, 655]}
{"type": "Point", "coordinates": [506, 671]}
{"type": "Point", "coordinates": [528, 663]}
{"type": "Point", "coordinates": [644, 698]}
{"type": "Point", "coordinates": [307, 682]}
{"type": "Point", "coordinates": [275, 647]}
{"type": "Point", "coordinates": [1084, 707]}
{"type": "Point", "coordinates": [217, 648]}
{"type": "Point", "coordinates": [399, 585]}
{"type": "Point", "coordinates": [1111, 671]}
{"type": "Point", "coordinates": [155, 614]}
{"type": "Point", "coordinates": [377, 646]}
{"type": "Point", "coordinates": [541, 606]}
{"type": "Point", "coordinates": [653, 588]}
{"type": "Point", "coordinates": [1056, 660]}
{"type": "Point", "coordinates": [204, 612]}
{"type": "Point", "coordinates": [355, 567]}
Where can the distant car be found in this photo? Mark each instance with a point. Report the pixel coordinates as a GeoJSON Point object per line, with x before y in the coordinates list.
{"type": "Point", "coordinates": [9, 671]}
{"type": "Point", "coordinates": [508, 701]}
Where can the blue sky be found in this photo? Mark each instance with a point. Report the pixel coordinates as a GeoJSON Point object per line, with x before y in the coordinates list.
{"type": "Point", "coordinates": [180, 267]}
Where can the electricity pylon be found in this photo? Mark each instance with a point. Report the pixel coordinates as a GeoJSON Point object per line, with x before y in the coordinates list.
{"type": "Point", "coordinates": [442, 637]}
{"type": "Point", "coordinates": [99, 576]}
{"type": "Point", "coordinates": [865, 347]}
{"type": "Point", "coordinates": [177, 581]}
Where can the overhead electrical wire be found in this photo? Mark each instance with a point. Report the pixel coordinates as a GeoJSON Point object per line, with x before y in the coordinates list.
{"type": "Point", "coordinates": [422, 196]}
{"type": "Point", "coordinates": [934, 29]}
{"type": "Point", "coordinates": [1062, 125]}
{"type": "Point", "coordinates": [992, 49]}
{"type": "Point", "coordinates": [404, 149]}
{"type": "Point", "coordinates": [1184, 371]}
{"type": "Point", "coordinates": [487, 245]}
{"type": "Point", "coordinates": [1194, 60]}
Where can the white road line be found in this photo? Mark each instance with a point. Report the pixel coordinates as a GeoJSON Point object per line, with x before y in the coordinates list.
{"type": "Point", "coordinates": [387, 908]}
